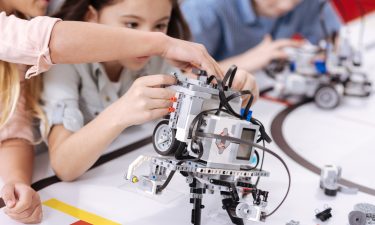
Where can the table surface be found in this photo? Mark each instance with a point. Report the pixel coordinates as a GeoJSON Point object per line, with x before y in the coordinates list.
{"type": "Point", "coordinates": [343, 136]}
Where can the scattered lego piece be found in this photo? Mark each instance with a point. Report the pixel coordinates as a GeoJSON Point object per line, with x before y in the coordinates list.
{"type": "Point", "coordinates": [292, 222]}
{"type": "Point", "coordinates": [325, 214]}
{"type": "Point", "coordinates": [330, 177]}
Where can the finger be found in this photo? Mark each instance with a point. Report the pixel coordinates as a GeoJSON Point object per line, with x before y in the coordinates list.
{"type": "Point", "coordinates": [25, 199]}
{"type": "Point", "coordinates": [27, 212]}
{"type": "Point", "coordinates": [279, 55]}
{"type": "Point", "coordinates": [207, 62]}
{"type": "Point", "coordinates": [215, 68]}
{"type": "Point", "coordinates": [283, 43]}
{"type": "Point", "coordinates": [8, 193]}
{"type": "Point", "coordinates": [35, 217]}
{"type": "Point", "coordinates": [159, 104]}
{"type": "Point", "coordinates": [159, 113]}
{"type": "Point", "coordinates": [191, 75]}
{"type": "Point", "coordinates": [267, 39]}
{"type": "Point", "coordinates": [156, 80]}
{"type": "Point", "coordinates": [159, 93]}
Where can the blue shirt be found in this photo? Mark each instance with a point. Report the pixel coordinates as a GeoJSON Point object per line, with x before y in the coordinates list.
{"type": "Point", "coordinates": [231, 27]}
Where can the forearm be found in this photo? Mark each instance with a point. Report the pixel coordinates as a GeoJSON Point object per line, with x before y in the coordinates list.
{"type": "Point", "coordinates": [16, 161]}
{"type": "Point", "coordinates": [72, 41]}
{"type": "Point", "coordinates": [72, 156]}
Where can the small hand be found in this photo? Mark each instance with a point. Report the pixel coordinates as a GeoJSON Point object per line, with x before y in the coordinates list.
{"type": "Point", "coordinates": [22, 203]}
{"type": "Point", "coordinates": [145, 101]}
{"type": "Point", "coordinates": [187, 55]}
{"type": "Point", "coordinates": [268, 50]}
{"type": "Point", "coordinates": [246, 81]}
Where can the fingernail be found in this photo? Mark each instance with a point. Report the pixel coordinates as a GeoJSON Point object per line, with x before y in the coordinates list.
{"type": "Point", "coordinates": [173, 99]}
{"type": "Point", "coordinates": [171, 109]}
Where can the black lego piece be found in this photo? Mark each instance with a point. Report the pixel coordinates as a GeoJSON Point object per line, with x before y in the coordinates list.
{"type": "Point", "coordinates": [229, 204]}
{"type": "Point", "coordinates": [199, 72]}
{"type": "Point", "coordinates": [197, 202]}
{"type": "Point", "coordinates": [324, 215]}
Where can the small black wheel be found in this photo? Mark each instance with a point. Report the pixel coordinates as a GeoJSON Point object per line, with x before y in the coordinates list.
{"type": "Point", "coordinates": [164, 139]}
{"type": "Point", "coordinates": [327, 97]}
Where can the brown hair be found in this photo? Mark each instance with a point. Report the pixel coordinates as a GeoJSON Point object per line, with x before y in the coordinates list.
{"type": "Point", "coordinates": [75, 10]}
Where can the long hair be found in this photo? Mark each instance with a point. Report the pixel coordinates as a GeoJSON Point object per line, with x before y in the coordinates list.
{"type": "Point", "coordinates": [75, 10]}
{"type": "Point", "coordinates": [10, 90]}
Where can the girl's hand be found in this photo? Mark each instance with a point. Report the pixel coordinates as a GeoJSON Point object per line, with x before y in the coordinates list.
{"type": "Point", "coordinates": [187, 55]}
{"type": "Point", "coordinates": [145, 101]}
{"type": "Point", "coordinates": [246, 81]}
{"type": "Point", "coordinates": [22, 203]}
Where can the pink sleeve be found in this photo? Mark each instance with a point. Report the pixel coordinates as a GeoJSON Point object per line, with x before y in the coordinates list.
{"type": "Point", "coordinates": [26, 42]}
{"type": "Point", "coordinates": [19, 126]}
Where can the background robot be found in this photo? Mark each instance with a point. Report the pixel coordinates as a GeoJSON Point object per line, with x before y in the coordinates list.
{"type": "Point", "coordinates": [324, 73]}
{"type": "Point", "coordinates": [211, 141]}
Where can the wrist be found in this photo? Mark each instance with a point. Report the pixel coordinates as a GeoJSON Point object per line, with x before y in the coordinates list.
{"type": "Point", "coordinates": [17, 180]}
{"type": "Point", "coordinates": [160, 41]}
{"type": "Point", "coordinates": [115, 118]}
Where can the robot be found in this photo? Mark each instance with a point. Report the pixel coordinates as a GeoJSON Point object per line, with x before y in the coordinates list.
{"type": "Point", "coordinates": [326, 81]}
{"type": "Point", "coordinates": [325, 73]}
{"type": "Point", "coordinates": [212, 142]}
{"type": "Point", "coordinates": [363, 214]}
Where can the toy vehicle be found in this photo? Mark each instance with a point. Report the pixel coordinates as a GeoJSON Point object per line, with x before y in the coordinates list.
{"type": "Point", "coordinates": [325, 80]}
{"type": "Point", "coordinates": [212, 144]}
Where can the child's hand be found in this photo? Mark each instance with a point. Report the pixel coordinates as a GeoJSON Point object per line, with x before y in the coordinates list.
{"type": "Point", "coordinates": [22, 203]}
{"type": "Point", "coordinates": [246, 81]}
{"type": "Point", "coordinates": [261, 55]}
{"type": "Point", "coordinates": [145, 101]}
{"type": "Point", "coordinates": [187, 55]}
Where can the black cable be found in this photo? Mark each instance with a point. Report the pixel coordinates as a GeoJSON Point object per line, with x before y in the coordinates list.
{"type": "Point", "coordinates": [262, 130]}
{"type": "Point", "coordinates": [251, 144]}
{"type": "Point", "coordinates": [229, 76]}
{"type": "Point", "coordinates": [169, 178]}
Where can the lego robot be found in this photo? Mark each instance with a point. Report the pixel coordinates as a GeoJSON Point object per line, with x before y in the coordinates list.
{"type": "Point", "coordinates": [212, 142]}
{"type": "Point", "coordinates": [326, 81]}
{"type": "Point", "coordinates": [325, 73]}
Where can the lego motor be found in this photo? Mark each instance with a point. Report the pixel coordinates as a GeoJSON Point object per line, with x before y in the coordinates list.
{"type": "Point", "coordinates": [329, 177]}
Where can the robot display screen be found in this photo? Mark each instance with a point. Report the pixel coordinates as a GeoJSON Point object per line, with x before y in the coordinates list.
{"type": "Point", "coordinates": [244, 151]}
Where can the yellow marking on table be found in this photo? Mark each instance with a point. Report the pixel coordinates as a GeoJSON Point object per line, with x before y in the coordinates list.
{"type": "Point", "coordinates": [78, 213]}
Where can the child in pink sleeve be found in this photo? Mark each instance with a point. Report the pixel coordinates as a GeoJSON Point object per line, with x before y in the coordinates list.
{"type": "Point", "coordinates": [26, 42]}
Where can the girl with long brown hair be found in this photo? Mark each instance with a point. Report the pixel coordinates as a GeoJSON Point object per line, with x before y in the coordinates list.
{"type": "Point", "coordinates": [110, 96]}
